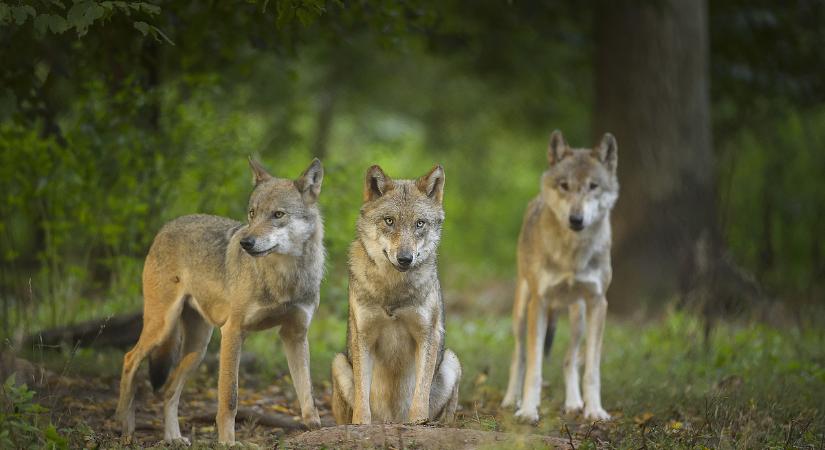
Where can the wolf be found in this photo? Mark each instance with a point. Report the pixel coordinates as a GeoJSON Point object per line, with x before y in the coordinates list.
{"type": "Point", "coordinates": [563, 261]}
{"type": "Point", "coordinates": [206, 271]}
{"type": "Point", "coordinates": [396, 367]}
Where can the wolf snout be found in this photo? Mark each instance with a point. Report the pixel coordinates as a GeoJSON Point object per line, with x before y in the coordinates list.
{"type": "Point", "coordinates": [248, 243]}
{"type": "Point", "coordinates": [576, 222]}
{"type": "Point", "coordinates": [405, 259]}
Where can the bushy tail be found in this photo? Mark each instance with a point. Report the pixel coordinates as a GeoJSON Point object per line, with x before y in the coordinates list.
{"type": "Point", "coordinates": [551, 332]}
{"type": "Point", "coordinates": [163, 358]}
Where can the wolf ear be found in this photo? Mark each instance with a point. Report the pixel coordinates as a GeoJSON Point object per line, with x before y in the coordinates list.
{"type": "Point", "coordinates": [432, 184]}
{"type": "Point", "coordinates": [376, 184]}
{"type": "Point", "coordinates": [608, 152]}
{"type": "Point", "coordinates": [309, 183]}
{"type": "Point", "coordinates": [259, 174]}
{"type": "Point", "coordinates": [557, 149]}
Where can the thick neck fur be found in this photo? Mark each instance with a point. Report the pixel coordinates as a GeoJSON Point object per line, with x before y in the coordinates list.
{"type": "Point", "coordinates": [379, 282]}
{"type": "Point", "coordinates": [300, 275]}
{"type": "Point", "coordinates": [569, 249]}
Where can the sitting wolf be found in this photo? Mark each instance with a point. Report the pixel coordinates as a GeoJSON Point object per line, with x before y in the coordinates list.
{"type": "Point", "coordinates": [396, 368]}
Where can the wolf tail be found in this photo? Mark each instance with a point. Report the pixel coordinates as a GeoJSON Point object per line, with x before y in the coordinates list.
{"type": "Point", "coordinates": [165, 356]}
{"type": "Point", "coordinates": [551, 332]}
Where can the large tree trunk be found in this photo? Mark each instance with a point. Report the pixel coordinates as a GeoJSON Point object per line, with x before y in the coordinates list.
{"type": "Point", "coordinates": [652, 93]}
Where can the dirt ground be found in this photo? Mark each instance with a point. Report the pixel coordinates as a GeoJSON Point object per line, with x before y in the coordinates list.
{"type": "Point", "coordinates": [268, 417]}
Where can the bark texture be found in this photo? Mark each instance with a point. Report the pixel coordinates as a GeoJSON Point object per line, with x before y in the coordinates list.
{"type": "Point", "coordinates": [652, 93]}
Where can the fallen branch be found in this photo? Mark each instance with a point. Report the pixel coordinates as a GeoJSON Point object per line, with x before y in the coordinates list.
{"type": "Point", "coordinates": [250, 415]}
{"type": "Point", "coordinates": [121, 331]}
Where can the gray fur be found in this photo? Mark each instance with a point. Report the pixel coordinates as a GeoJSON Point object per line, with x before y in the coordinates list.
{"type": "Point", "coordinates": [395, 367]}
{"type": "Point", "coordinates": [198, 276]}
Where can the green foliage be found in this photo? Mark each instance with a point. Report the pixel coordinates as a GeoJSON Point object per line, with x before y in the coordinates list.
{"type": "Point", "coordinates": [774, 202]}
{"type": "Point", "coordinates": [56, 16]}
{"type": "Point", "coordinates": [22, 424]}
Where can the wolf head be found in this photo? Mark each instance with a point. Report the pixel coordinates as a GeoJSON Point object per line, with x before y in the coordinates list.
{"type": "Point", "coordinates": [283, 214]}
{"type": "Point", "coordinates": [580, 185]}
{"type": "Point", "coordinates": [401, 220]}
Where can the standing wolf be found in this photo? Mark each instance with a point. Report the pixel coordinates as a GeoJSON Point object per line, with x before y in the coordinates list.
{"type": "Point", "coordinates": [564, 262]}
{"type": "Point", "coordinates": [396, 368]}
{"type": "Point", "coordinates": [206, 271]}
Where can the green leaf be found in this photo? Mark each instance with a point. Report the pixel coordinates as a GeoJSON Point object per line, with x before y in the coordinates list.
{"type": "Point", "coordinates": [21, 13]}
{"type": "Point", "coordinates": [143, 27]}
{"type": "Point", "coordinates": [5, 14]}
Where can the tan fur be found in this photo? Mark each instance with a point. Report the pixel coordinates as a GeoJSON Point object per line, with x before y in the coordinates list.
{"type": "Point", "coordinates": [564, 262]}
{"type": "Point", "coordinates": [197, 276]}
{"type": "Point", "coordinates": [396, 368]}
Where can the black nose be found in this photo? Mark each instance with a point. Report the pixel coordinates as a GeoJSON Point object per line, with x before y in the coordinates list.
{"type": "Point", "coordinates": [248, 243]}
{"type": "Point", "coordinates": [405, 259]}
{"type": "Point", "coordinates": [576, 222]}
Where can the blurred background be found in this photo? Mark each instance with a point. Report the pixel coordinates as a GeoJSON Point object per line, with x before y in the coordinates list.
{"type": "Point", "coordinates": [116, 117]}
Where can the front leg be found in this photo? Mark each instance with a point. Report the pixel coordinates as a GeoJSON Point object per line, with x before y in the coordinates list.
{"type": "Point", "coordinates": [294, 336]}
{"type": "Point", "coordinates": [596, 314]}
{"type": "Point", "coordinates": [428, 343]}
{"type": "Point", "coordinates": [230, 357]}
{"type": "Point", "coordinates": [362, 374]}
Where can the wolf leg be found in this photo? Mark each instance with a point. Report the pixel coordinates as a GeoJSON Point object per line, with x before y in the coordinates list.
{"type": "Point", "coordinates": [516, 384]}
{"type": "Point", "coordinates": [157, 327]}
{"type": "Point", "coordinates": [342, 389]}
{"type": "Point", "coordinates": [573, 399]}
{"type": "Point", "coordinates": [596, 313]}
{"type": "Point", "coordinates": [230, 358]}
{"type": "Point", "coordinates": [196, 335]}
{"type": "Point", "coordinates": [444, 390]}
{"type": "Point", "coordinates": [294, 336]}
{"type": "Point", "coordinates": [536, 330]}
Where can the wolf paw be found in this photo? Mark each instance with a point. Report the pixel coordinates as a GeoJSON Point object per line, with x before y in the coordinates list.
{"type": "Point", "coordinates": [508, 402]}
{"type": "Point", "coordinates": [573, 407]}
{"type": "Point", "coordinates": [418, 421]}
{"type": "Point", "coordinates": [312, 421]}
{"type": "Point", "coordinates": [527, 415]}
{"type": "Point", "coordinates": [177, 442]}
{"type": "Point", "coordinates": [596, 414]}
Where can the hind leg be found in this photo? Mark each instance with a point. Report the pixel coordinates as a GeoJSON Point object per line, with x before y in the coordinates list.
{"type": "Point", "coordinates": [342, 388]}
{"type": "Point", "coordinates": [444, 390]}
{"type": "Point", "coordinates": [196, 335]}
{"type": "Point", "coordinates": [515, 385]}
{"type": "Point", "coordinates": [156, 329]}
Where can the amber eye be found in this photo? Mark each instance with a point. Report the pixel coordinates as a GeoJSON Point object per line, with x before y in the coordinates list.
{"type": "Point", "coordinates": [420, 224]}
{"type": "Point", "coordinates": [252, 213]}
{"type": "Point", "coordinates": [278, 214]}
{"type": "Point", "coordinates": [564, 186]}
{"type": "Point", "coordinates": [389, 221]}
{"type": "Point", "coordinates": [593, 186]}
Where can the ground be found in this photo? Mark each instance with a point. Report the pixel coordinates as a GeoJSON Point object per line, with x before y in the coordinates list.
{"type": "Point", "coordinates": [750, 385]}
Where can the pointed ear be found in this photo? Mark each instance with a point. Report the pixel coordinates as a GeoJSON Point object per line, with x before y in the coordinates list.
{"type": "Point", "coordinates": [376, 184]}
{"type": "Point", "coordinates": [309, 183]}
{"type": "Point", "coordinates": [608, 152]}
{"type": "Point", "coordinates": [432, 184]}
{"type": "Point", "coordinates": [557, 149]}
{"type": "Point", "coordinates": [259, 174]}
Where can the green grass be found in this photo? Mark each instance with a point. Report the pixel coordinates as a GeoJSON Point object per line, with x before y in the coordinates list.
{"type": "Point", "coordinates": [750, 386]}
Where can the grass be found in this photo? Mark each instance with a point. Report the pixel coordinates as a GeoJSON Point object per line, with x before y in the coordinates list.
{"type": "Point", "coordinates": [750, 386]}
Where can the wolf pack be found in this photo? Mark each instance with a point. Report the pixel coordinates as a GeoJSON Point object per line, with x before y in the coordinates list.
{"type": "Point", "coordinates": [204, 272]}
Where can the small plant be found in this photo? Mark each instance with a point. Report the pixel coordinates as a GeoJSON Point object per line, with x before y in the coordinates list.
{"type": "Point", "coordinates": [21, 420]}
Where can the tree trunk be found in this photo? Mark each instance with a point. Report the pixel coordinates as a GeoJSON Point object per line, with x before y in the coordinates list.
{"type": "Point", "coordinates": [652, 93]}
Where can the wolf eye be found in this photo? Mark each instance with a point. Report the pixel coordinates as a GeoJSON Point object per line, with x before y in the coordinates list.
{"type": "Point", "coordinates": [389, 221]}
{"type": "Point", "coordinates": [252, 213]}
{"type": "Point", "coordinates": [420, 224]}
{"type": "Point", "coordinates": [278, 214]}
{"type": "Point", "coordinates": [593, 186]}
{"type": "Point", "coordinates": [564, 186]}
